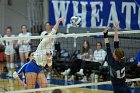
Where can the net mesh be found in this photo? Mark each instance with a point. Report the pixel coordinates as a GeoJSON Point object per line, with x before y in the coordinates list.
{"type": "Point", "coordinates": [65, 46]}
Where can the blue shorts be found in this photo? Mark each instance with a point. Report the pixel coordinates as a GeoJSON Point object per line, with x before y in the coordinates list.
{"type": "Point", "coordinates": [23, 69]}
{"type": "Point", "coordinates": [33, 67]}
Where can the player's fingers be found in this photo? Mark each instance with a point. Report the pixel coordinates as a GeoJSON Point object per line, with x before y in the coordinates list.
{"type": "Point", "coordinates": [105, 30]}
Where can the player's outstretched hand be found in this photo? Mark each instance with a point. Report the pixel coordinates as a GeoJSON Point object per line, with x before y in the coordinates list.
{"type": "Point", "coordinates": [116, 25]}
{"type": "Point", "coordinates": [61, 19]}
{"type": "Point", "coordinates": [58, 22]}
{"type": "Point", "coordinates": [105, 30]}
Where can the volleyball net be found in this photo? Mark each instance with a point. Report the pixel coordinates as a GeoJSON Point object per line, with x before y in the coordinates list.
{"type": "Point", "coordinates": [65, 48]}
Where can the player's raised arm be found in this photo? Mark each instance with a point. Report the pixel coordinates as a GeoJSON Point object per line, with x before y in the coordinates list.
{"type": "Point", "coordinates": [105, 31]}
{"type": "Point", "coordinates": [116, 32]}
{"type": "Point", "coordinates": [106, 40]}
{"type": "Point", "coordinates": [57, 23]}
{"type": "Point", "coordinates": [55, 28]}
{"type": "Point", "coordinates": [116, 36]}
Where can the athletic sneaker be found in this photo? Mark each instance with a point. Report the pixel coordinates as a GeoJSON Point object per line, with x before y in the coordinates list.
{"type": "Point", "coordinates": [66, 72]}
{"type": "Point", "coordinates": [71, 78]}
{"type": "Point", "coordinates": [23, 76]}
{"type": "Point", "coordinates": [132, 85]}
{"type": "Point", "coordinates": [84, 79]}
{"type": "Point", "coordinates": [80, 72]}
{"type": "Point", "coordinates": [49, 75]}
{"type": "Point", "coordinates": [10, 74]}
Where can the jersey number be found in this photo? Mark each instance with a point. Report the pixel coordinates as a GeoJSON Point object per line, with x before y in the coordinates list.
{"type": "Point", "coordinates": [121, 73]}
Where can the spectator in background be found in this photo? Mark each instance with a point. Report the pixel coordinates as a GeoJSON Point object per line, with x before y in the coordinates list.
{"type": "Point", "coordinates": [86, 55]}
{"type": "Point", "coordinates": [24, 45]}
{"type": "Point", "coordinates": [96, 61]}
{"type": "Point", "coordinates": [136, 69]}
{"type": "Point", "coordinates": [99, 54]}
{"type": "Point", "coordinates": [9, 51]}
{"type": "Point", "coordinates": [1, 42]}
{"type": "Point", "coordinates": [136, 65]}
{"type": "Point", "coordinates": [47, 29]}
{"type": "Point", "coordinates": [2, 48]}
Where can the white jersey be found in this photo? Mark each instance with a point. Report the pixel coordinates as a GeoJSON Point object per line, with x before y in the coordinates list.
{"type": "Point", "coordinates": [99, 56]}
{"type": "Point", "coordinates": [46, 45]}
{"type": "Point", "coordinates": [9, 43]}
{"type": "Point", "coordinates": [26, 47]}
{"type": "Point", "coordinates": [9, 46]}
{"type": "Point", "coordinates": [27, 41]}
{"type": "Point", "coordinates": [44, 33]}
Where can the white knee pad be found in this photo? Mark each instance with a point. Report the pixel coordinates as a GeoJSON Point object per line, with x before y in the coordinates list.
{"type": "Point", "coordinates": [15, 74]}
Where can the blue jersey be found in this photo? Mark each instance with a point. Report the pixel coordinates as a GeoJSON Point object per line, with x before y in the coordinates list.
{"type": "Point", "coordinates": [22, 69]}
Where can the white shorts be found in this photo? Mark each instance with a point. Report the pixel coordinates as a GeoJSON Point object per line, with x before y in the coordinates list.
{"type": "Point", "coordinates": [24, 48]}
{"type": "Point", "coordinates": [9, 50]}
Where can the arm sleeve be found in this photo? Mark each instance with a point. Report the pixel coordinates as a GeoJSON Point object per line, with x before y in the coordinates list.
{"type": "Point", "coordinates": [22, 68]}
{"type": "Point", "coordinates": [116, 44]}
{"type": "Point", "coordinates": [53, 32]}
{"type": "Point", "coordinates": [109, 55]}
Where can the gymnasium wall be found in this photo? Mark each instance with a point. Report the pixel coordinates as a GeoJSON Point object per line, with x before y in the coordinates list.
{"type": "Point", "coordinates": [13, 15]}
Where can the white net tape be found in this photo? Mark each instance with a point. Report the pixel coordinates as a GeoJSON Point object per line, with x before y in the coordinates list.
{"type": "Point", "coordinates": [68, 35]}
{"type": "Point", "coordinates": [69, 86]}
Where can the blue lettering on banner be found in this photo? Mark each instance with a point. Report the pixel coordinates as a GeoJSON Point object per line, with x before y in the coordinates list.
{"type": "Point", "coordinates": [97, 13]}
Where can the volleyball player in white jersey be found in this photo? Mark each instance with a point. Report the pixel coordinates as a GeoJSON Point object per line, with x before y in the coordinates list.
{"type": "Point", "coordinates": [42, 58]}
{"type": "Point", "coordinates": [24, 45]}
{"type": "Point", "coordinates": [47, 29]}
{"type": "Point", "coordinates": [46, 32]}
{"type": "Point", "coordinates": [9, 51]}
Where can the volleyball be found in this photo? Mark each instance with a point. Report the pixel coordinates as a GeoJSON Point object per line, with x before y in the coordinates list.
{"type": "Point", "coordinates": [75, 21]}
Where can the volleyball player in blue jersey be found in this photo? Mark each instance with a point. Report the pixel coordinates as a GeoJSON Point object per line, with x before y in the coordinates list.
{"type": "Point", "coordinates": [116, 63]}
{"type": "Point", "coordinates": [21, 70]}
